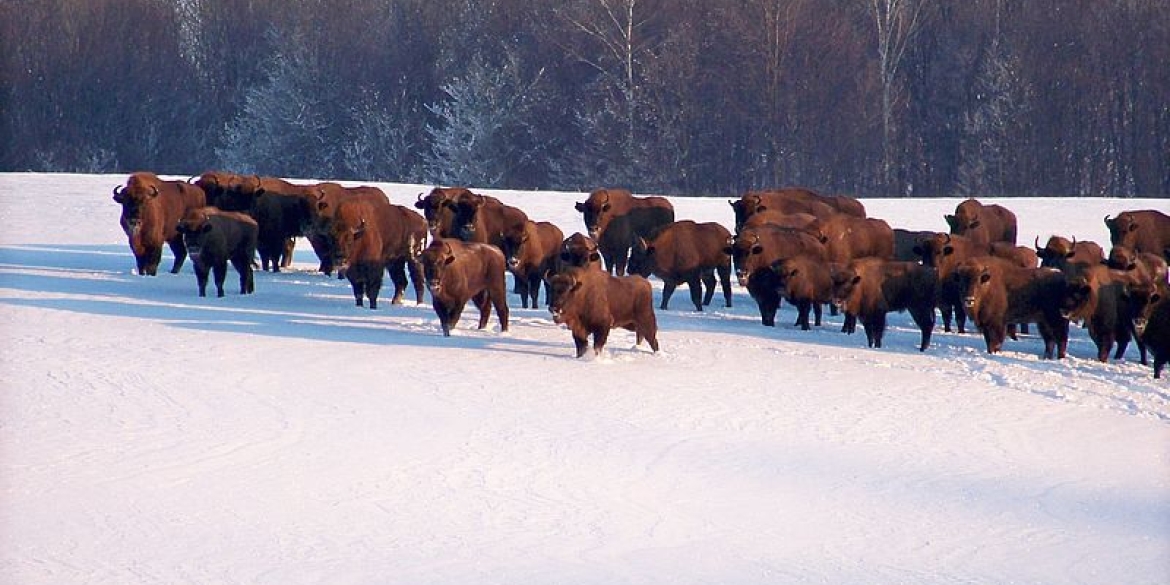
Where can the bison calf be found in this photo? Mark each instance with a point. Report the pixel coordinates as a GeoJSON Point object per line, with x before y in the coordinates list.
{"type": "Point", "coordinates": [591, 302]}
{"type": "Point", "coordinates": [460, 271]}
{"type": "Point", "coordinates": [870, 288]}
{"type": "Point", "coordinates": [213, 238]}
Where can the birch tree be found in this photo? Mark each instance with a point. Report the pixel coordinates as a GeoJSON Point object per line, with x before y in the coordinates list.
{"type": "Point", "coordinates": [896, 22]}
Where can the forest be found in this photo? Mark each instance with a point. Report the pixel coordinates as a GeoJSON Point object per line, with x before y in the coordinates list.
{"type": "Point", "coordinates": [871, 98]}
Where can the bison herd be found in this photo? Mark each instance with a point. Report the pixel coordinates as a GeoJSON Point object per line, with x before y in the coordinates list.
{"type": "Point", "coordinates": [791, 245]}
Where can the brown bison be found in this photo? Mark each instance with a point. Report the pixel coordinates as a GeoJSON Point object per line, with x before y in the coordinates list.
{"type": "Point", "coordinates": [320, 230]}
{"type": "Point", "coordinates": [220, 188]}
{"type": "Point", "coordinates": [283, 211]}
{"type": "Point", "coordinates": [807, 283]}
{"type": "Point", "coordinates": [1150, 266]}
{"type": "Point", "coordinates": [847, 237]}
{"type": "Point", "coordinates": [592, 302]}
{"type": "Point", "coordinates": [1060, 252]}
{"type": "Point", "coordinates": [1146, 230]}
{"type": "Point", "coordinates": [983, 223]}
{"type": "Point", "coordinates": [689, 252]}
{"type": "Point", "coordinates": [458, 271]}
{"type": "Point", "coordinates": [439, 209]}
{"type": "Point", "coordinates": [1153, 328]}
{"type": "Point", "coordinates": [907, 244]}
{"type": "Point", "coordinates": [151, 210]}
{"type": "Point", "coordinates": [579, 250]}
{"type": "Point", "coordinates": [530, 253]}
{"type": "Point", "coordinates": [1108, 301]}
{"type": "Point", "coordinates": [483, 219]}
{"type": "Point", "coordinates": [783, 201]}
{"type": "Point", "coordinates": [753, 252]}
{"type": "Point", "coordinates": [213, 239]}
{"type": "Point", "coordinates": [869, 288]}
{"type": "Point", "coordinates": [371, 237]}
{"type": "Point", "coordinates": [797, 221]}
{"type": "Point", "coordinates": [614, 217]}
{"type": "Point", "coordinates": [996, 292]}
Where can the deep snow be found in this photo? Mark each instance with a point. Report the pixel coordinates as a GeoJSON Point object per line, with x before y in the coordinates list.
{"type": "Point", "coordinates": [151, 436]}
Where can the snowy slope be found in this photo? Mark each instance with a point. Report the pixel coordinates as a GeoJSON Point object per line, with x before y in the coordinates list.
{"type": "Point", "coordinates": [150, 436]}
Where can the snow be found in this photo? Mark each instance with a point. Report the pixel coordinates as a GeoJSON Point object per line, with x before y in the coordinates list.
{"type": "Point", "coordinates": [151, 436]}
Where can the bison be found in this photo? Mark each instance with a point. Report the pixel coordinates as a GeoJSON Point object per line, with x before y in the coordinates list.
{"type": "Point", "coordinates": [907, 244]}
{"type": "Point", "coordinates": [372, 237]}
{"type": "Point", "coordinates": [1108, 301]}
{"type": "Point", "coordinates": [458, 271]}
{"type": "Point", "coordinates": [213, 239]}
{"type": "Point", "coordinates": [784, 201]}
{"type": "Point", "coordinates": [1151, 266]}
{"type": "Point", "coordinates": [1153, 328]}
{"type": "Point", "coordinates": [1060, 252]}
{"type": "Point", "coordinates": [614, 217]}
{"type": "Point", "coordinates": [1146, 230]}
{"type": "Point", "coordinates": [805, 282]}
{"type": "Point", "coordinates": [592, 302]}
{"type": "Point", "coordinates": [438, 207]}
{"type": "Point", "coordinates": [847, 237]}
{"type": "Point", "coordinates": [984, 224]}
{"type": "Point", "coordinates": [151, 210]}
{"type": "Point", "coordinates": [753, 252]}
{"type": "Point", "coordinates": [579, 250]}
{"type": "Point", "coordinates": [483, 219]}
{"type": "Point", "coordinates": [283, 211]}
{"type": "Point", "coordinates": [995, 292]}
{"type": "Point", "coordinates": [869, 288]}
{"type": "Point", "coordinates": [320, 231]}
{"type": "Point", "coordinates": [689, 252]}
{"type": "Point", "coordinates": [530, 253]}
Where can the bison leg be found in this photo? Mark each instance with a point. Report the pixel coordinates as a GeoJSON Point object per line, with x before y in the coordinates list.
{"type": "Point", "coordinates": [179, 249]}
{"type": "Point", "coordinates": [802, 309]}
{"type": "Point", "coordinates": [397, 271]}
{"type": "Point", "coordinates": [768, 308]}
{"type": "Point", "coordinates": [1159, 363]}
{"type": "Point", "coordinates": [875, 328]}
{"type": "Point", "coordinates": [220, 271]}
{"type": "Point", "coordinates": [483, 303]}
{"type": "Point", "coordinates": [286, 252]}
{"type": "Point", "coordinates": [534, 283]}
{"type": "Point", "coordinates": [373, 287]}
{"type": "Point", "coordinates": [153, 260]}
{"type": "Point", "coordinates": [581, 343]}
{"type": "Point", "coordinates": [359, 290]}
{"type": "Point", "coordinates": [499, 299]}
{"type": "Point", "coordinates": [323, 248]}
{"type": "Point", "coordinates": [244, 269]}
{"type": "Point", "coordinates": [668, 287]}
{"type": "Point", "coordinates": [925, 321]}
{"type": "Point", "coordinates": [414, 267]}
{"type": "Point", "coordinates": [698, 299]}
{"type": "Point", "coordinates": [709, 287]}
{"type": "Point", "coordinates": [993, 336]}
{"type": "Point", "coordinates": [816, 308]}
{"type": "Point", "coordinates": [201, 272]}
{"type": "Point", "coordinates": [947, 315]}
{"type": "Point", "coordinates": [600, 336]}
{"type": "Point", "coordinates": [725, 282]}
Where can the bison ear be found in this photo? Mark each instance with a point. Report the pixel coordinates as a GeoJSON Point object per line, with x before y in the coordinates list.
{"type": "Point", "coordinates": [594, 257]}
{"type": "Point", "coordinates": [576, 284]}
{"type": "Point", "coordinates": [984, 277]}
{"type": "Point", "coordinates": [1157, 296]}
{"type": "Point", "coordinates": [580, 207]}
{"type": "Point", "coordinates": [605, 207]}
{"type": "Point", "coordinates": [448, 260]}
{"type": "Point", "coordinates": [1132, 227]}
{"type": "Point", "coordinates": [856, 279]}
{"type": "Point", "coordinates": [975, 224]}
{"type": "Point", "coordinates": [760, 208]}
{"type": "Point", "coordinates": [321, 205]}
{"type": "Point", "coordinates": [206, 228]}
{"type": "Point", "coordinates": [948, 250]}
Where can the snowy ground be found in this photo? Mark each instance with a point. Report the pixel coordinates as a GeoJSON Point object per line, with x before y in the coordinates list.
{"type": "Point", "coordinates": [150, 436]}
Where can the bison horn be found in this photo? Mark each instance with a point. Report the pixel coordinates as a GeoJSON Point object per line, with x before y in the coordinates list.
{"type": "Point", "coordinates": [448, 247]}
{"type": "Point", "coordinates": [116, 191]}
{"type": "Point", "coordinates": [948, 238]}
{"type": "Point", "coordinates": [1038, 248]}
{"type": "Point", "coordinates": [1107, 220]}
{"type": "Point", "coordinates": [420, 197]}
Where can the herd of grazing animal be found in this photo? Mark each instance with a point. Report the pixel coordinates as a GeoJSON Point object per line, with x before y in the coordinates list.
{"type": "Point", "coordinates": [791, 245]}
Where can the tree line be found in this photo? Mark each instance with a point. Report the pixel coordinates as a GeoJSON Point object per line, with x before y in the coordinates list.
{"type": "Point", "coordinates": [690, 97]}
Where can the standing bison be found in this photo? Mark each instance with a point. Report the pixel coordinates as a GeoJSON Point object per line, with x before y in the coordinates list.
{"type": "Point", "coordinates": [531, 252]}
{"type": "Point", "coordinates": [984, 224]}
{"type": "Point", "coordinates": [151, 210]}
{"type": "Point", "coordinates": [995, 292]}
{"type": "Point", "coordinates": [689, 252]}
{"type": "Point", "coordinates": [1141, 231]}
{"type": "Point", "coordinates": [372, 237]}
{"type": "Point", "coordinates": [458, 271]}
{"type": "Point", "coordinates": [214, 238]}
{"type": "Point", "coordinates": [591, 302]}
{"type": "Point", "coordinates": [614, 218]}
{"type": "Point", "coordinates": [871, 287]}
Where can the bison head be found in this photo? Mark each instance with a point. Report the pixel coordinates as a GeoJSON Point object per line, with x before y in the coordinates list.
{"type": "Point", "coordinates": [194, 228]}
{"type": "Point", "coordinates": [515, 242]}
{"type": "Point", "coordinates": [1121, 258]}
{"type": "Point", "coordinates": [1122, 229]}
{"type": "Point", "coordinates": [347, 236]}
{"type": "Point", "coordinates": [845, 281]}
{"type": "Point", "coordinates": [565, 288]}
{"type": "Point", "coordinates": [643, 257]}
{"type": "Point", "coordinates": [741, 247]}
{"type": "Point", "coordinates": [436, 259]}
{"type": "Point", "coordinates": [966, 217]}
{"type": "Point", "coordinates": [466, 208]}
{"type": "Point", "coordinates": [1057, 251]}
{"type": "Point", "coordinates": [973, 280]}
{"type": "Point", "coordinates": [597, 210]}
{"type": "Point", "coordinates": [579, 250]}
{"type": "Point", "coordinates": [437, 207]}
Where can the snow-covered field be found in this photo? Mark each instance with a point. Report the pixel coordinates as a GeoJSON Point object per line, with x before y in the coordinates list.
{"type": "Point", "coordinates": [151, 436]}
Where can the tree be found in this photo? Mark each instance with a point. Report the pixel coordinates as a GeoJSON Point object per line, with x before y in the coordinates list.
{"type": "Point", "coordinates": [896, 22]}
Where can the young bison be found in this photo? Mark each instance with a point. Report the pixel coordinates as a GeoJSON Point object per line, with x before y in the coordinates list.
{"type": "Point", "coordinates": [213, 238]}
{"type": "Point", "coordinates": [460, 271]}
{"type": "Point", "coordinates": [591, 302]}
